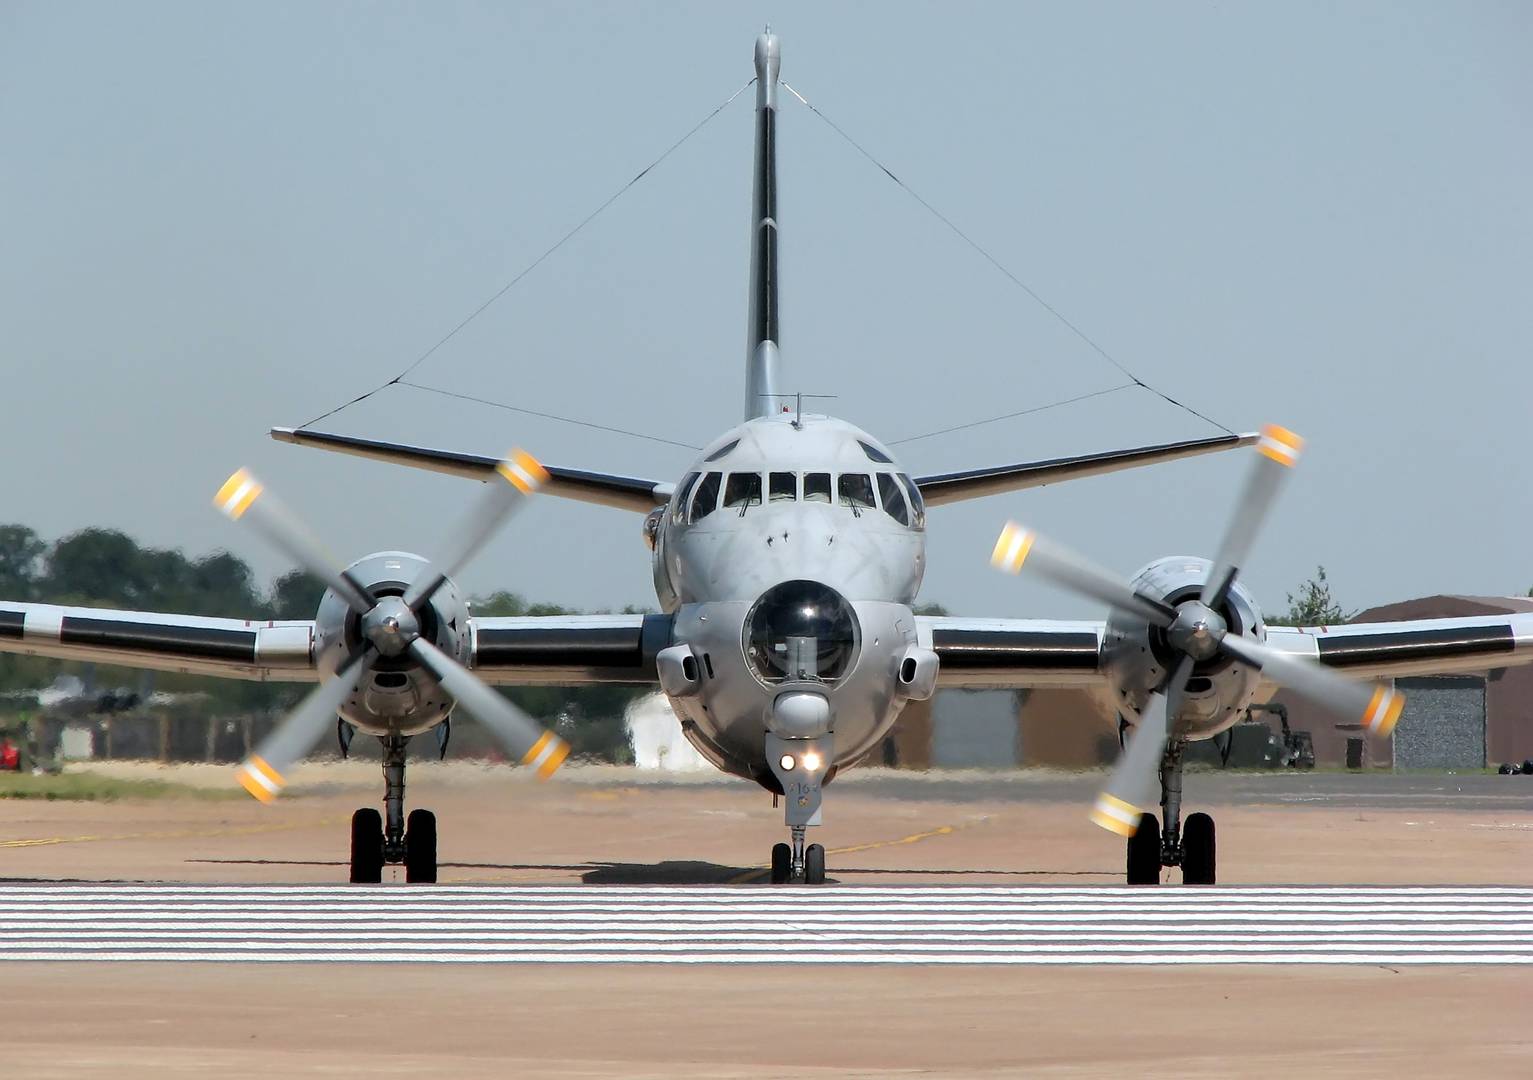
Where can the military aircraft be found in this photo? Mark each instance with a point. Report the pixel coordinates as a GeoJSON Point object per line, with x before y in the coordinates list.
{"type": "Point", "coordinates": [786, 561]}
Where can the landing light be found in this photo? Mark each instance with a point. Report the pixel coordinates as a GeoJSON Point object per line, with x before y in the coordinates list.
{"type": "Point", "coordinates": [811, 761]}
{"type": "Point", "coordinates": [787, 763]}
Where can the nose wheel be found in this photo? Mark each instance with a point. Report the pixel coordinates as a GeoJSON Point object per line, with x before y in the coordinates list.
{"type": "Point", "coordinates": [800, 863]}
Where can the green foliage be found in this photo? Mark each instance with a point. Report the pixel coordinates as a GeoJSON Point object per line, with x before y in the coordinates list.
{"type": "Point", "coordinates": [930, 607]}
{"type": "Point", "coordinates": [1313, 605]}
{"type": "Point", "coordinates": [93, 787]}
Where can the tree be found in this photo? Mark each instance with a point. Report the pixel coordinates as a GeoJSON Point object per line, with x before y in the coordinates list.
{"type": "Point", "coordinates": [296, 595]}
{"type": "Point", "coordinates": [21, 554]}
{"type": "Point", "coordinates": [1313, 605]}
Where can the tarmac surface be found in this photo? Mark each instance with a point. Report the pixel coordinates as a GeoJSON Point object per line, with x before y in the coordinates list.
{"type": "Point", "coordinates": [1015, 848]}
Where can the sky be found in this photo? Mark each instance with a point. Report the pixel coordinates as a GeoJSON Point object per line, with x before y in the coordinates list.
{"type": "Point", "coordinates": [220, 218]}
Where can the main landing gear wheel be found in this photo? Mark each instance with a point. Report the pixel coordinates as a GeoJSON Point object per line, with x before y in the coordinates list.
{"type": "Point", "coordinates": [1198, 850]}
{"type": "Point", "coordinates": [420, 847]}
{"type": "Point", "coordinates": [1144, 853]}
{"type": "Point", "coordinates": [814, 865]}
{"type": "Point", "coordinates": [782, 864]}
{"type": "Point", "coordinates": [366, 847]}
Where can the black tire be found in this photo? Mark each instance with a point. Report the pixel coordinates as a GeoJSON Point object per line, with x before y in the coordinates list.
{"type": "Point", "coordinates": [1508, 769]}
{"type": "Point", "coordinates": [814, 865]}
{"type": "Point", "coordinates": [420, 847]}
{"type": "Point", "coordinates": [782, 864]}
{"type": "Point", "coordinates": [1144, 853]}
{"type": "Point", "coordinates": [1198, 850]}
{"type": "Point", "coordinates": [366, 847]}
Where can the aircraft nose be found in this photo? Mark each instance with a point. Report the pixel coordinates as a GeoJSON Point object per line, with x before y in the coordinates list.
{"type": "Point", "coordinates": [801, 631]}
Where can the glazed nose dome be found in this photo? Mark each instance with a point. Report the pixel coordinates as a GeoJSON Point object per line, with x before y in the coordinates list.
{"type": "Point", "coordinates": [801, 631]}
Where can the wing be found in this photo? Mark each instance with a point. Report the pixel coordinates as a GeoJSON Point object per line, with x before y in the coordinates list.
{"type": "Point", "coordinates": [605, 489]}
{"type": "Point", "coordinates": [975, 483]}
{"type": "Point", "coordinates": [1413, 647]}
{"type": "Point", "coordinates": [568, 650]}
{"type": "Point", "coordinates": [233, 648]}
{"type": "Point", "coordinates": [1013, 652]}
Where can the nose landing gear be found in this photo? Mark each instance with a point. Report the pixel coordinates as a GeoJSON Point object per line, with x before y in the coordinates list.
{"type": "Point", "coordinates": [379, 839]}
{"type": "Point", "coordinates": [800, 766]}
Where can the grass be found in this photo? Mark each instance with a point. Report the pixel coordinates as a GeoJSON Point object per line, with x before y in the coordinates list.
{"type": "Point", "coordinates": [86, 786]}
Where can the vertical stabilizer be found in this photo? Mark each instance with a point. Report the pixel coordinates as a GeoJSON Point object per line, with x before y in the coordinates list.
{"type": "Point", "coordinates": [761, 346]}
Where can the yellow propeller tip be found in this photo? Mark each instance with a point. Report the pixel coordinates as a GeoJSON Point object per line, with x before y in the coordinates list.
{"type": "Point", "coordinates": [1115, 815]}
{"type": "Point", "coordinates": [1383, 711]}
{"type": "Point", "coordinates": [547, 754]}
{"type": "Point", "coordinates": [1281, 445]}
{"type": "Point", "coordinates": [523, 471]}
{"type": "Point", "coordinates": [260, 779]}
{"type": "Point", "coordinates": [238, 492]}
{"type": "Point", "coordinates": [1011, 548]}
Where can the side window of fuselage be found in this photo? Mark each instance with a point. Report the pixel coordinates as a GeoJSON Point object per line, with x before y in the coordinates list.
{"type": "Point", "coordinates": [783, 487]}
{"type": "Point", "coordinates": [706, 500]}
{"type": "Point", "coordinates": [817, 487]}
{"type": "Point", "coordinates": [680, 513]}
{"type": "Point", "coordinates": [917, 507]}
{"type": "Point", "coordinates": [894, 501]}
{"type": "Point", "coordinates": [743, 491]}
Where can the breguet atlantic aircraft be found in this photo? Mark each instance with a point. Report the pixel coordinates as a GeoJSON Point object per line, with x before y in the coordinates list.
{"type": "Point", "coordinates": [786, 562]}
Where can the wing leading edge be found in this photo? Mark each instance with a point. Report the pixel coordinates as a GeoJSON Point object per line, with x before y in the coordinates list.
{"type": "Point", "coordinates": [192, 644]}
{"type": "Point", "coordinates": [605, 489]}
{"type": "Point", "coordinates": [977, 483]}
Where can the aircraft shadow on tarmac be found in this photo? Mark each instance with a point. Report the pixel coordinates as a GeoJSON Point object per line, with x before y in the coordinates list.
{"type": "Point", "coordinates": [684, 872]}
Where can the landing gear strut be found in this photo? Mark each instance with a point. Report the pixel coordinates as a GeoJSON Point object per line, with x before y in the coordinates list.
{"type": "Point", "coordinates": [1167, 842]}
{"type": "Point", "coordinates": [377, 839]}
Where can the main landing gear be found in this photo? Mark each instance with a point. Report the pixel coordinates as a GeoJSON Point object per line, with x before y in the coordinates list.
{"type": "Point", "coordinates": [377, 839]}
{"type": "Point", "coordinates": [1169, 842]}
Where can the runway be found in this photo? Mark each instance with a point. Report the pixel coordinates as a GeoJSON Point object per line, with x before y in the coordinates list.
{"type": "Point", "coordinates": [752, 925]}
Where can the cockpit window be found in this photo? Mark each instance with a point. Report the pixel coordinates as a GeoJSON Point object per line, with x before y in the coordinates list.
{"type": "Point", "coordinates": [783, 487]}
{"type": "Point", "coordinates": [680, 513]}
{"type": "Point", "coordinates": [894, 501]}
{"type": "Point", "coordinates": [706, 500]}
{"type": "Point", "coordinates": [817, 487]}
{"type": "Point", "coordinates": [742, 491]}
{"type": "Point", "coordinates": [855, 490]}
{"type": "Point", "coordinates": [874, 453]}
{"type": "Point", "coordinates": [723, 451]}
{"type": "Point", "coordinates": [917, 506]}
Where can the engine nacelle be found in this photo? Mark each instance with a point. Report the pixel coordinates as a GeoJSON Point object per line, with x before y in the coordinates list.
{"type": "Point", "coordinates": [397, 697]}
{"type": "Point", "coordinates": [1138, 658]}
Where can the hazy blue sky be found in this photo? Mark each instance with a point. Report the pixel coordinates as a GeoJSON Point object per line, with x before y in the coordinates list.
{"type": "Point", "coordinates": [221, 217]}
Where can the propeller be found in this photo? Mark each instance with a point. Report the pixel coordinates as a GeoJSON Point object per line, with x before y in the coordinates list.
{"type": "Point", "coordinates": [390, 626]}
{"type": "Point", "coordinates": [1198, 632]}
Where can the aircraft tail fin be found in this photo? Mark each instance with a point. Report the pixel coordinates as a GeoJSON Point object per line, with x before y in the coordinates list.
{"type": "Point", "coordinates": [761, 359]}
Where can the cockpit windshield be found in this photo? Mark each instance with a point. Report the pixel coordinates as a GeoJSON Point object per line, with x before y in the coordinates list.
{"type": "Point", "coordinates": [856, 491]}
{"type": "Point", "coordinates": [742, 491]}
{"type": "Point", "coordinates": [706, 499]}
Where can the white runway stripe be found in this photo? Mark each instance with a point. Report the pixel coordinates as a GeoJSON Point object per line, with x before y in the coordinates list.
{"type": "Point", "coordinates": [752, 924]}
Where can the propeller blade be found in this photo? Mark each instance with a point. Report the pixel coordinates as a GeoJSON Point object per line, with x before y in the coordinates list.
{"type": "Point", "coordinates": [1074, 572]}
{"type": "Point", "coordinates": [1375, 705]}
{"type": "Point", "coordinates": [521, 734]}
{"type": "Point", "coordinates": [243, 497]}
{"type": "Point", "coordinates": [1279, 449]}
{"type": "Point", "coordinates": [295, 736]}
{"type": "Point", "coordinates": [1132, 789]}
{"type": "Point", "coordinates": [518, 476]}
